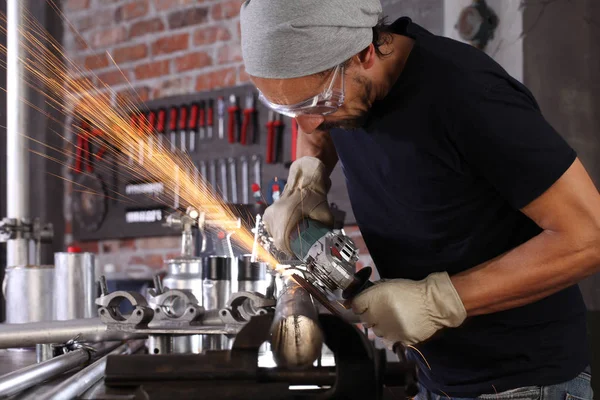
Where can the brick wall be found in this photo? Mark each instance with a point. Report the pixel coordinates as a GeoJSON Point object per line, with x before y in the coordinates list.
{"type": "Point", "coordinates": [162, 48]}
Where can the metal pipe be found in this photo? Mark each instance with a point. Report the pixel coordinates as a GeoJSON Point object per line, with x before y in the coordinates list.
{"type": "Point", "coordinates": [30, 334]}
{"type": "Point", "coordinates": [28, 290]}
{"type": "Point", "coordinates": [77, 384]}
{"type": "Point", "coordinates": [160, 344]}
{"type": "Point", "coordinates": [216, 290]}
{"type": "Point", "coordinates": [19, 380]}
{"type": "Point", "coordinates": [17, 154]}
{"type": "Point", "coordinates": [296, 338]}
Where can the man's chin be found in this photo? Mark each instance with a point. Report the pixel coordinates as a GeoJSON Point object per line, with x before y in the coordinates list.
{"type": "Point", "coordinates": [346, 124]}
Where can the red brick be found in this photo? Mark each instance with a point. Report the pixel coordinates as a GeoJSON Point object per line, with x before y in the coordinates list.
{"type": "Point", "coordinates": [113, 78]}
{"type": "Point", "coordinates": [81, 44]}
{"type": "Point", "coordinates": [135, 96]}
{"type": "Point", "coordinates": [192, 61]}
{"type": "Point", "coordinates": [91, 247]}
{"type": "Point", "coordinates": [96, 61]}
{"type": "Point", "coordinates": [90, 21]}
{"type": "Point", "coordinates": [216, 79]}
{"type": "Point", "coordinates": [230, 53]}
{"type": "Point", "coordinates": [171, 44]}
{"type": "Point", "coordinates": [127, 244]}
{"type": "Point", "coordinates": [76, 5]}
{"type": "Point", "coordinates": [145, 27]}
{"type": "Point", "coordinates": [183, 18]}
{"type": "Point", "coordinates": [162, 5]}
{"type": "Point", "coordinates": [152, 70]}
{"type": "Point", "coordinates": [211, 35]}
{"type": "Point", "coordinates": [243, 75]}
{"type": "Point", "coordinates": [165, 242]}
{"type": "Point", "coordinates": [172, 255]}
{"type": "Point", "coordinates": [109, 246]}
{"type": "Point", "coordinates": [130, 53]}
{"type": "Point", "coordinates": [80, 84]}
{"type": "Point", "coordinates": [154, 261]}
{"type": "Point", "coordinates": [173, 87]}
{"type": "Point", "coordinates": [110, 36]}
{"type": "Point", "coordinates": [226, 9]}
{"type": "Point", "coordinates": [132, 10]}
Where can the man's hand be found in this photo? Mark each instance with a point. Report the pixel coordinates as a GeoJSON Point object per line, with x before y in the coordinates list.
{"type": "Point", "coordinates": [305, 195]}
{"type": "Point", "coordinates": [409, 312]}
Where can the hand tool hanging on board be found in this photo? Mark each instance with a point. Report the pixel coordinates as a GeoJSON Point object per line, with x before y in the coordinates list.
{"type": "Point", "coordinates": [160, 128]}
{"type": "Point", "coordinates": [142, 123]}
{"type": "Point", "coordinates": [133, 119]}
{"type": "Point", "coordinates": [202, 121]}
{"type": "Point", "coordinates": [221, 116]}
{"type": "Point", "coordinates": [212, 175]}
{"type": "Point", "coordinates": [150, 132]}
{"type": "Point", "coordinates": [257, 185]}
{"type": "Point", "coordinates": [274, 131]}
{"type": "Point", "coordinates": [294, 146]}
{"type": "Point", "coordinates": [245, 179]}
{"type": "Point", "coordinates": [233, 110]}
{"type": "Point", "coordinates": [247, 134]}
{"type": "Point", "coordinates": [192, 125]}
{"type": "Point", "coordinates": [173, 128]}
{"type": "Point", "coordinates": [233, 179]}
{"type": "Point", "coordinates": [203, 171]}
{"type": "Point", "coordinates": [183, 122]}
{"type": "Point", "coordinates": [83, 148]}
{"type": "Point", "coordinates": [209, 118]}
{"type": "Point", "coordinates": [223, 182]}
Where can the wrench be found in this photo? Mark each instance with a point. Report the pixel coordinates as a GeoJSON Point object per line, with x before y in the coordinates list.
{"type": "Point", "coordinates": [233, 179]}
{"type": "Point", "coordinates": [245, 179]}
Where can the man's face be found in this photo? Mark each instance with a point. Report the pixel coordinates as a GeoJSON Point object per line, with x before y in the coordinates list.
{"type": "Point", "coordinates": [351, 115]}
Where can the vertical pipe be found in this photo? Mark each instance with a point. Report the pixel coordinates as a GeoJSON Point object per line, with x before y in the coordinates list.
{"type": "Point", "coordinates": [17, 156]}
{"type": "Point", "coordinates": [74, 286]}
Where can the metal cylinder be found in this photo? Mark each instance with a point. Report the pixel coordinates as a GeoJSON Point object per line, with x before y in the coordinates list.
{"type": "Point", "coordinates": [74, 286]}
{"type": "Point", "coordinates": [30, 334]}
{"type": "Point", "coordinates": [29, 293]}
{"type": "Point", "coordinates": [183, 273]}
{"type": "Point", "coordinates": [163, 344]}
{"type": "Point", "coordinates": [251, 275]}
{"type": "Point", "coordinates": [216, 287]}
{"type": "Point", "coordinates": [17, 381]}
{"type": "Point", "coordinates": [17, 149]}
{"type": "Point", "coordinates": [77, 384]}
{"type": "Point", "coordinates": [296, 338]}
{"type": "Point", "coordinates": [44, 352]}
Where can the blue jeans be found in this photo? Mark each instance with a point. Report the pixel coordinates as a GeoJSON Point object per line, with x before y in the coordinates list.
{"type": "Point", "coordinates": [579, 388]}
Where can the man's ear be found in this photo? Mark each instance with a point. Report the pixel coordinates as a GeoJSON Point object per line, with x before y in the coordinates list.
{"type": "Point", "coordinates": [366, 58]}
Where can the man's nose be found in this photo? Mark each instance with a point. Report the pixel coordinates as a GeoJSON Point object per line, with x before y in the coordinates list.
{"type": "Point", "coordinates": [308, 123]}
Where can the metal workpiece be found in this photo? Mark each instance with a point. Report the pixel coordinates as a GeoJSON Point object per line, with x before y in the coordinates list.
{"type": "Point", "coordinates": [251, 275]}
{"type": "Point", "coordinates": [296, 337]}
{"type": "Point", "coordinates": [161, 344]}
{"type": "Point", "coordinates": [89, 330]}
{"type": "Point", "coordinates": [174, 305]}
{"type": "Point", "coordinates": [24, 378]}
{"type": "Point", "coordinates": [29, 293]}
{"type": "Point", "coordinates": [216, 291]}
{"type": "Point", "coordinates": [185, 273]}
{"type": "Point", "coordinates": [109, 304]}
{"type": "Point", "coordinates": [244, 305]}
{"type": "Point", "coordinates": [80, 382]}
{"type": "Point", "coordinates": [74, 286]}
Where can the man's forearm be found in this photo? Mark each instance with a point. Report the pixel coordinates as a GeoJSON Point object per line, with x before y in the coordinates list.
{"type": "Point", "coordinates": [538, 268]}
{"type": "Point", "coordinates": [317, 144]}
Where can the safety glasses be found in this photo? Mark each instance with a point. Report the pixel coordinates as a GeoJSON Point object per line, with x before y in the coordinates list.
{"type": "Point", "coordinates": [327, 102]}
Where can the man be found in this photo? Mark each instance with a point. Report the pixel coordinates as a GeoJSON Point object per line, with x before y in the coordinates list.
{"type": "Point", "coordinates": [477, 214]}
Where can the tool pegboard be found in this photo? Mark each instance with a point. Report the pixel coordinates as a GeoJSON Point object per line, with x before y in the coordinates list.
{"type": "Point", "coordinates": [235, 140]}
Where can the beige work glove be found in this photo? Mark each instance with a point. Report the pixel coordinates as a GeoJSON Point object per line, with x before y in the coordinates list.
{"type": "Point", "coordinates": [305, 195]}
{"type": "Point", "coordinates": [410, 312]}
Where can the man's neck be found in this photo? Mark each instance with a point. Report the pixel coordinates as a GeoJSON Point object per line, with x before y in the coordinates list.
{"type": "Point", "coordinates": [393, 63]}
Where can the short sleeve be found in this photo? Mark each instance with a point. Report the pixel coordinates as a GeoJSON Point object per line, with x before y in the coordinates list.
{"type": "Point", "coordinates": [505, 139]}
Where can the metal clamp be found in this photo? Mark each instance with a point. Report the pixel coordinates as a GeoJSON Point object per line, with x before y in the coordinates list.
{"type": "Point", "coordinates": [175, 305]}
{"type": "Point", "coordinates": [242, 306]}
{"type": "Point", "coordinates": [109, 307]}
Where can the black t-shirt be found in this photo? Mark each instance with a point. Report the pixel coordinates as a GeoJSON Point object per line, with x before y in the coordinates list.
{"type": "Point", "coordinates": [436, 179]}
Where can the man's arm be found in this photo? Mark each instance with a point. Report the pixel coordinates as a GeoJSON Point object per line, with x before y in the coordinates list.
{"type": "Point", "coordinates": [567, 251]}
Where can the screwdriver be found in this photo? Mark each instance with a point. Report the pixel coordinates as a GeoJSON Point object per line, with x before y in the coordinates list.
{"type": "Point", "coordinates": [160, 127]}
{"type": "Point", "coordinates": [183, 121]}
{"type": "Point", "coordinates": [173, 128]}
{"type": "Point", "coordinates": [193, 122]}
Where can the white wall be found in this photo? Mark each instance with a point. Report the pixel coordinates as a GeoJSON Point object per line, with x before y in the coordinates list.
{"type": "Point", "coordinates": [507, 46]}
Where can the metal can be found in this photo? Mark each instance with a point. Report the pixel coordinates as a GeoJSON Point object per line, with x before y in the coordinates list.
{"type": "Point", "coordinates": [216, 294]}
{"type": "Point", "coordinates": [251, 275]}
{"type": "Point", "coordinates": [29, 293]}
{"type": "Point", "coordinates": [75, 289]}
{"type": "Point", "coordinates": [185, 273]}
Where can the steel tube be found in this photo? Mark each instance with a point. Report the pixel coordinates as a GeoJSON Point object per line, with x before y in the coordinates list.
{"type": "Point", "coordinates": [216, 290]}
{"type": "Point", "coordinates": [77, 384]}
{"type": "Point", "coordinates": [17, 153]}
{"type": "Point", "coordinates": [28, 290]}
{"type": "Point", "coordinates": [30, 334]}
{"type": "Point", "coordinates": [296, 338]}
{"type": "Point", "coordinates": [17, 381]}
